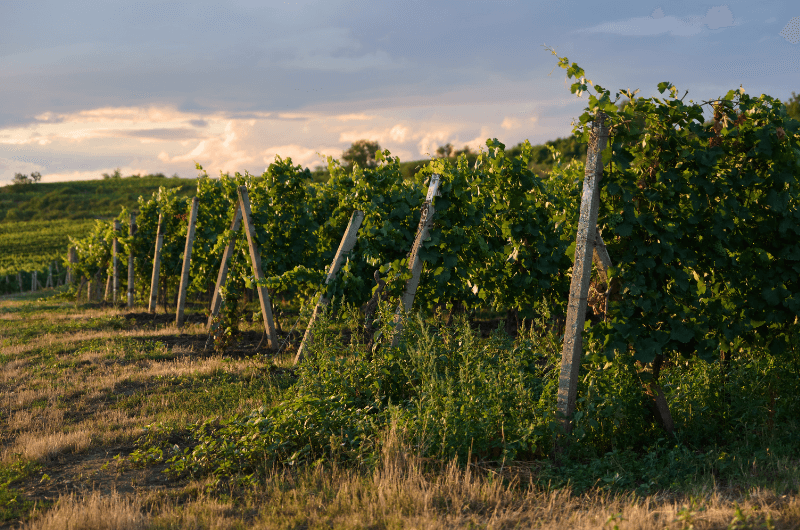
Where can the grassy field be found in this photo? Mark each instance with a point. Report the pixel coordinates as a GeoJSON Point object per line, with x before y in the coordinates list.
{"type": "Point", "coordinates": [80, 385]}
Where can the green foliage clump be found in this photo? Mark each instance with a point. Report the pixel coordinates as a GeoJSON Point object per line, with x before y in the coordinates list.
{"type": "Point", "coordinates": [450, 394]}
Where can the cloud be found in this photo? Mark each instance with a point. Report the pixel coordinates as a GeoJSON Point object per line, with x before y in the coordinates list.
{"type": "Point", "coordinates": [349, 117]}
{"type": "Point", "coordinates": [332, 49]}
{"type": "Point", "coordinates": [225, 151]}
{"type": "Point", "coordinates": [299, 154]}
{"type": "Point", "coordinates": [182, 133]}
{"type": "Point", "coordinates": [510, 122]}
{"type": "Point", "coordinates": [658, 23]}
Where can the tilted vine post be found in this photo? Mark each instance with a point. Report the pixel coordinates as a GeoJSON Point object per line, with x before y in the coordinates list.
{"type": "Point", "coordinates": [222, 277]}
{"type": "Point", "coordinates": [255, 258]}
{"type": "Point", "coordinates": [348, 242]}
{"type": "Point", "coordinates": [187, 257]}
{"type": "Point", "coordinates": [414, 261]}
{"type": "Point", "coordinates": [156, 264]}
{"type": "Point", "coordinates": [581, 273]}
{"type": "Point", "coordinates": [131, 233]}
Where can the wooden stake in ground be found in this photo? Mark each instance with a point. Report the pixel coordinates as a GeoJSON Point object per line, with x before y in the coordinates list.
{"type": "Point", "coordinates": [33, 282]}
{"type": "Point", "coordinates": [187, 257]}
{"type": "Point", "coordinates": [348, 242]}
{"type": "Point", "coordinates": [414, 261]}
{"type": "Point", "coordinates": [222, 277]}
{"type": "Point", "coordinates": [255, 258]}
{"type": "Point", "coordinates": [107, 292]}
{"type": "Point", "coordinates": [72, 254]}
{"type": "Point", "coordinates": [131, 232]}
{"type": "Point", "coordinates": [49, 282]}
{"type": "Point", "coordinates": [581, 273]}
{"type": "Point", "coordinates": [115, 250]}
{"type": "Point", "coordinates": [156, 264]}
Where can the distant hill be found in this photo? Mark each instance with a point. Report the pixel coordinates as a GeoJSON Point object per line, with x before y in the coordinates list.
{"type": "Point", "coordinates": [84, 199]}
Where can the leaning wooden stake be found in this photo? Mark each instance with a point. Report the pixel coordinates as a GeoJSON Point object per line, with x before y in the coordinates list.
{"type": "Point", "coordinates": [255, 258]}
{"type": "Point", "coordinates": [216, 301]}
{"type": "Point", "coordinates": [156, 264]}
{"type": "Point", "coordinates": [187, 258]}
{"type": "Point", "coordinates": [115, 249]}
{"type": "Point", "coordinates": [131, 232]}
{"type": "Point", "coordinates": [414, 260]}
{"type": "Point", "coordinates": [348, 242]}
{"type": "Point", "coordinates": [581, 273]}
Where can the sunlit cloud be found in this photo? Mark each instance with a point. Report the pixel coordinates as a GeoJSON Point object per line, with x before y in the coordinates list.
{"type": "Point", "coordinates": [510, 123]}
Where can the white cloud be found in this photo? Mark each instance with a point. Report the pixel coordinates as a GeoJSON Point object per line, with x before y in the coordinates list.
{"type": "Point", "coordinates": [510, 122]}
{"type": "Point", "coordinates": [225, 151]}
{"type": "Point", "coordinates": [303, 156]}
{"type": "Point", "coordinates": [349, 117]}
{"type": "Point", "coordinates": [398, 133]}
{"type": "Point", "coordinates": [658, 23]}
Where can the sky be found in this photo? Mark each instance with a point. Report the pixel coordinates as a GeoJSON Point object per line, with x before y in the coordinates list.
{"type": "Point", "coordinates": [147, 87]}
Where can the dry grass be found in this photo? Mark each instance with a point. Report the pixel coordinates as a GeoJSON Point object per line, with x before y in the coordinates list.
{"type": "Point", "coordinates": [401, 495]}
{"type": "Point", "coordinates": [65, 406]}
{"type": "Point", "coordinates": [68, 404]}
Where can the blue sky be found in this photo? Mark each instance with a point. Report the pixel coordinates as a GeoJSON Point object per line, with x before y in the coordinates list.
{"type": "Point", "coordinates": [86, 87]}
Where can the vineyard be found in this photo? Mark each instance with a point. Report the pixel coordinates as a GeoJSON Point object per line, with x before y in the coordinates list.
{"type": "Point", "coordinates": [36, 246]}
{"type": "Point", "coordinates": [645, 301]}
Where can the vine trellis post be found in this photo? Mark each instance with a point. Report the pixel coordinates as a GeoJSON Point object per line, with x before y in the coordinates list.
{"type": "Point", "coordinates": [156, 264]}
{"type": "Point", "coordinates": [187, 258]}
{"type": "Point", "coordinates": [348, 242]}
{"type": "Point", "coordinates": [216, 300]}
{"type": "Point", "coordinates": [585, 247]}
{"type": "Point", "coordinates": [255, 258]}
{"type": "Point", "coordinates": [131, 233]}
{"type": "Point", "coordinates": [72, 254]}
{"type": "Point", "coordinates": [115, 250]}
{"type": "Point", "coordinates": [414, 261]}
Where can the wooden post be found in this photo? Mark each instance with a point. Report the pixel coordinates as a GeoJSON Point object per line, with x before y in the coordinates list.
{"type": "Point", "coordinates": [223, 268]}
{"type": "Point", "coordinates": [414, 262]}
{"type": "Point", "coordinates": [33, 282]}
{"type": "Point", "coordinates": [348, 242]}
{"type": "Point", "coordinates": [115, 250]}
{"type": "Point", "coordinates": [187, 257]}
{"type": "Point", "coordinates": [19, 280]}
{"type": "Point", "coordinates": [156, 264]}
{"type": "Point", "coordinates": [107, 292]}
{"type": "Point", "coordinates": [49, 282]}
{"type": "Point", "coordinates": [131, 232]}
{"type": "Point", "coordinates": [72, 254]}
{"type": "Point", "coordinates": [255, 258]}
{"type": "Point", "coordinates": [581, 273]}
